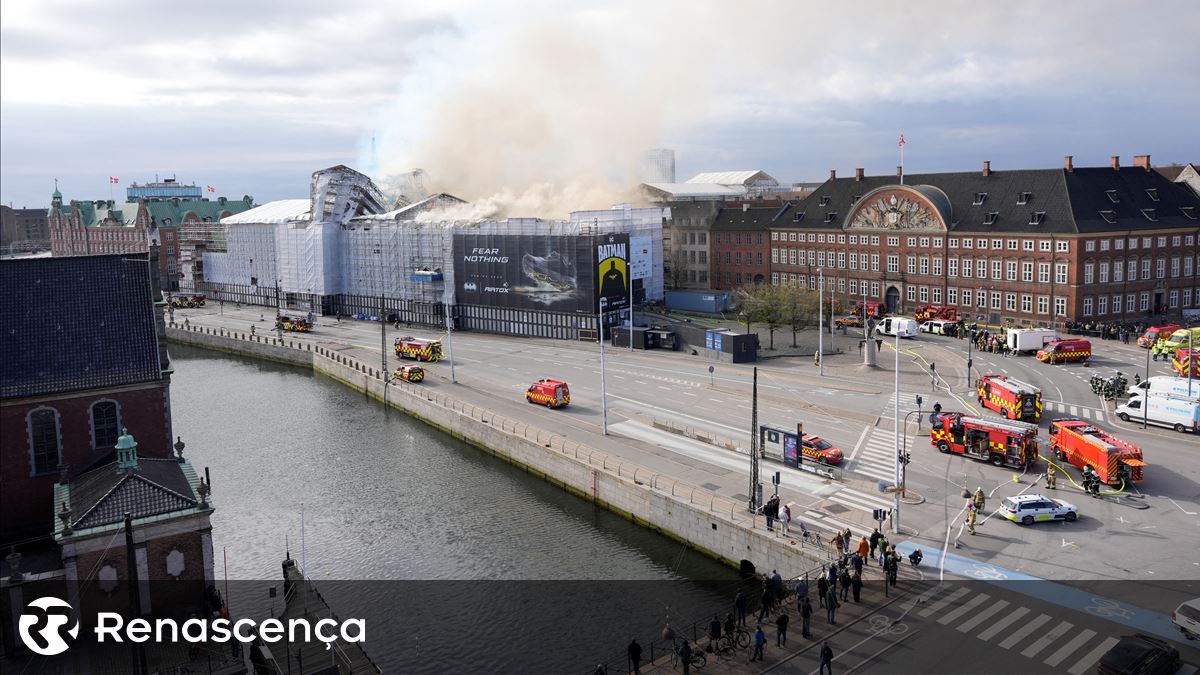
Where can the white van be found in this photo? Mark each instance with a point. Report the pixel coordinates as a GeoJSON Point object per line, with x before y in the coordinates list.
{"type": "Point", "coordinates": [1187, 618]}
{"type": "Point", "coordinates": [1165, 384]}
{"type": "Point", "coordinates": [935, 326]}
{"type": "Point", "coordinates": [895, 325]}
{"type": "Point", "coordinates": [1165, 410]}
{"type": "Point", "coordinates": [1029, 339]}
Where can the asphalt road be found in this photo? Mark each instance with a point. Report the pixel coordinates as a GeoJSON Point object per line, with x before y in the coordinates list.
{"type": "Point", "coordinates": [1116, 537]}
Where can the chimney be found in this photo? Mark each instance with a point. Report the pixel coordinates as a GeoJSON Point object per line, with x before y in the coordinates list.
{"type": "Point", "coordinates": [1142, 161]}
{"type": "Point", "coordinates": [858, 175]}
{"type": "Point", "coordinates": [745, 207]}
{"type": "Point", "coordinates": [899, 171]}
{"type": "Point", "coordinates": [833, 174]}
{"type": "Point", "coordinates": [1068, 164]}
{"type": "Point", "coordinates": [987, 167]}
{"type": "Point", "coordinates": [1116, 162]}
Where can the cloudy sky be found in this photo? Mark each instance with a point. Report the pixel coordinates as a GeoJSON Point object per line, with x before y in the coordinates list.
{"type": "Point", "coordinates": [496, 98]}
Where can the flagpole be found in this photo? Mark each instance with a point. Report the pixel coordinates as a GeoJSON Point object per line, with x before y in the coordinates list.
{"type": "Point", "coordinates": [902, 158]}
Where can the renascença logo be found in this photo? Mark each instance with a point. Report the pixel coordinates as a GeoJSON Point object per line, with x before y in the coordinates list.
{"type": "Point", "coordinates": [43, 624]}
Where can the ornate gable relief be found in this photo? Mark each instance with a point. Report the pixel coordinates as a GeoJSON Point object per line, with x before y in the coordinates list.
{"type": "Point", "coordinates": [895, 210]}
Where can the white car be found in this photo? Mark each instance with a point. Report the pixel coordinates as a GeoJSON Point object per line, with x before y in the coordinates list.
{"type": "Point", "coordinates": [1029, 509]}
{"type": "Point", "coordinates": [935, 326]}
{"type": "Point", "coordinates": [1187, 618]}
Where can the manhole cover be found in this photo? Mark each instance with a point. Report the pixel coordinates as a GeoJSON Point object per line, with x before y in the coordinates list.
{"type": "Point", "coordinates": [710, 487]}
{"type": "Point", "coordinates": [836, 509]}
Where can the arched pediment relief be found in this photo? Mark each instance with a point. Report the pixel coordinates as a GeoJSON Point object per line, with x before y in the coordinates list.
{"type": "Point", "coordinates": [896, 208]}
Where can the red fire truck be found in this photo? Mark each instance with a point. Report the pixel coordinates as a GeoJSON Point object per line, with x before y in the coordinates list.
{"type": "Point", "coordinates": [868, 310]}
{"type": "Point", "coordinates": [929, 312]}
{"type": "Point", "coordinates": [1155, 333]}
{"type": "Point", "coordinates": [1001, 442]}
{"type": "Point", "coordinates": [1010, 397]}
{"type": "Point", "coordinates": [550, 393]}
{"type": "Point", "coordinates": [409, 347]}
{"type": "Point", "coordinates": [1081, 443]}
{"type": "Point", "coordinates": [1186, 359]}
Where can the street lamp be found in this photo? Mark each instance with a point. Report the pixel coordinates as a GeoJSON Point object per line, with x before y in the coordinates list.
{"type": "Point", "coordinates": [821, 321]}
{"type": "Point", "coordinates": [896, 495]}
{"type": "Point", "coordinates": [603, 384]}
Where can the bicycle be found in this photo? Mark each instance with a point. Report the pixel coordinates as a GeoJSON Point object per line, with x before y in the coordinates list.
{"type": "Point", "coordinates": [738, 639]}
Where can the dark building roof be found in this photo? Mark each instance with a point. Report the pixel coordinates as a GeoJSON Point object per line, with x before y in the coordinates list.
{"type": "Point", "coordinates": [1172, 171]}
{"type": "Point", "coordinates": [1007, 202]}
{"type": "Point", "coordinates": [75, 323]}
{"type": "Point", "coordinates": [734, 218]}
{"type": "Point", "coordinates": [104, 495]}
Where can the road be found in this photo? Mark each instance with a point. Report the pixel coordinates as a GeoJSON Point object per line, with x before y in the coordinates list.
{"type": "Point", "coordinates": [1117, 537]}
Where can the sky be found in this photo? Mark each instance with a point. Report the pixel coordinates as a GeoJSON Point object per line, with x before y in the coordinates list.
{"type": "Point", "coordinates": [544, 106]}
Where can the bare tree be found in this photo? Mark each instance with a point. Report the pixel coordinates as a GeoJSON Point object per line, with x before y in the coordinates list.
{"type": "Point", "coordinates": [678, 272]}
{"type": "Point", "coordinates": [799, 309]}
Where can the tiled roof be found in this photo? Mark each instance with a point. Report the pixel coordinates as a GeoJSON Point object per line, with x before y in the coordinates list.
{"type": "Point", "coordinates": [166, 213]}
{"type": "Point", "coordinates": [74, 323]}
{"type": "Point", "coordinates": [1069, 201]}
{"type": "Point", "coordinates": [106, 494]}
{"type": "Point", "coordinates": [736, 218]}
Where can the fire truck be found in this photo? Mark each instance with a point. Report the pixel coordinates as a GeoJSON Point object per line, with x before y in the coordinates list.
{"type": "Point", "coordinates": [1080, 443]}
{"type": "Point", "coordinates": [930, 312]}
{"type": "Point", "coordinates": [1010, 397]}
{"type": "Point", "coordinates": [868, 310]}
{"type": "Point", "coordinates": [199, 299]}
{"type": "Point", "coordinates": [182, 301]}
{"type": "Point", "coordinates": [295, 324]}
{"type": "Point", "coordinates": [1155, 333]}
{"type": "Point", "coordinates": [409, 373]}
{"type": "Point", "coordinates": [550, 393]}
{"type": "Point", "coordinates": [1001, 442]}
{"type": "Point", "coordinates": [1186, 359]}
{"type": "Point", "coordinates": [409, 347]}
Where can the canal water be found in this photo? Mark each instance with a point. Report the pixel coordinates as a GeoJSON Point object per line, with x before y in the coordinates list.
{"type": "Point", "coordinates": [466, 563]}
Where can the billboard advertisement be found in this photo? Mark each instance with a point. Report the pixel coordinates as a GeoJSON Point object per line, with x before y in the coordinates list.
{"type": "Point", "coordinates": [641, 250]}
{"type": "Point", "coordinates": [541, 272]}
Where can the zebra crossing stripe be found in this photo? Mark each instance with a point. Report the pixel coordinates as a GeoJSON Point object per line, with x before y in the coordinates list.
{"type": "Point", "coordinates": [1088, 661]}
{"type": "Point", "coordinates": [1069, 648]}
{"type": "Point", "coordinates": [1049, 636]}
{"type": "Point", "coordinates": [982, 616]}
{"type": "Point", "coordinates": [1002, 624]}
{"type": "Point", "coordinates": [966, 607]}
{"type": "Point", "coordinates": [1024, 631]}
{"type": "Point", "coordinates": [943, 603]}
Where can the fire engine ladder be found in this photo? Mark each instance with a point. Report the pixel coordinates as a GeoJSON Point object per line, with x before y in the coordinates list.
{"type": "Point", "coordinates": [1008, 425]}
{"type": "Point", "coordinates": [1020, 387]}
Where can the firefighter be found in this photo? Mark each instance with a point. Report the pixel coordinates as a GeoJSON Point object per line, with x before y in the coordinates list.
{"type": "Point", "coordinates": [971, 511]}
{"type": "Point", "coordinates": [979, 500]}
{"type": "Point", "coordinates": [1051, 476]}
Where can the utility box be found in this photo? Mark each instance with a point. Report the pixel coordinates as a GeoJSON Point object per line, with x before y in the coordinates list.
{"type": "Point", "coordinates": [642, 339]}
{"type": "Point", "coordinates": [732, 347]}
{"type": "Point", "coordinates": [663, 339]}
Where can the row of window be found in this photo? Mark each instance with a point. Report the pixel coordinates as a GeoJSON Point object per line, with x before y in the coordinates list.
{"type": "Point", "coordinates": [1119, 244]}
{"type": "Point", "coordinates": [44, 428]}
{"type": "Point", "coordinates": [736, 237]}
{"type": "Point", "coordinates": [1044, 245]}
{"type": "Point", "coordinates": [1102, 305]}
{"type": "Point", "coordinates": [1130, 269]}
{"type": "Point", "coordinates": [999, 269]}
{"type": "Point", "coordinates": [964, 297]}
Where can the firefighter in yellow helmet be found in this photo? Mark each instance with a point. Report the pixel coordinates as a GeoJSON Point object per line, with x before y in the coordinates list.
{"type": "Point", "coordinates": [979, 500]}
{"type": "Point", "coordinates": [1051, 476]}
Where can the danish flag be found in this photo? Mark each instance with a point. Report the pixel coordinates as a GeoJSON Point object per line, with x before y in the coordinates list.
{"type": "Point", "coordinates": [902, 140]}
{"type": "Point", "coordinates": [212, 189]}
{"type": "Point", "coordinates": [114, 180]}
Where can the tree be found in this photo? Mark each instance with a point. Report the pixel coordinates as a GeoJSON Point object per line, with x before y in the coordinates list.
{"type": "Point", "coordinates": [678, 272]}
{"type": "Point", "coordinates": [799, 309]}
{"type": "Point", "coordinates": [765, 304]}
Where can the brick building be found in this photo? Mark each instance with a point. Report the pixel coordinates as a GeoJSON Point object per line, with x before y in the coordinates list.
{"type": "Point", "coordinates": [1028, 246]}
{"type": "Point", "coordinates": [23, 230]}
{"type": "Point", "coordinates": [740, 248]}
{"type": "Point", "coordinates": [104, 226]}
{"type": "Point", "coordinates": [84, 357]}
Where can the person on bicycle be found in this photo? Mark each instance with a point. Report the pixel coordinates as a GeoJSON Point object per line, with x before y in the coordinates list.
{"type": "Point", "coordinates": [730, 624]}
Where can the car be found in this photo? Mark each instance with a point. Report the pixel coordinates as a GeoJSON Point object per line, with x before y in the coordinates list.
{"type": "Point", "coordinates": [1186, 617]}
{"type": "Point", "coordinates": [934, 326]}
{"type": "Point", "coordinates": [849, 321]}
{"type": "Point", "coordinates": [1139, 655]}
{"type": "Point", "coordinates": [1030, 509]}
{"type": "Point", "coordinates": [821, 450]}
{"type": "Point", "coordinates": [409, 373]}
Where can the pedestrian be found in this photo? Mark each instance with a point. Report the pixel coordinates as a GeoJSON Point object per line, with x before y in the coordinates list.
{"type": "Point", "coordinates": [844, 582]}
{"type": "Point", "coordinates": [822, 589]}
{"type": "Point", "coordinates": [685, 656]}
{"type": "Point", "coordinates": [831, 605]}
{"type": "Point", "coordinates": [875, 537]}
{"type": "Point", "coordinates": [832, 574]}
{"type": "Point", "coordinates": [816, 357]}
{"type": "Point", "coordinates": [768, 599]}
{"type": "Point", "coordinates": [760, 641]}
{"type": "Point", "coordinates": [739, 605]}
{"type": "Point", "coordinates": [856, 585]}
{"type": "Point", "coordinates": [837, 543]}
{"type": "Point", "coordinates": [252, 330]}
{"type": "Point", "coordinates": [971, 518]}
{"type": "Point", "coordinates": [1051, 476]}
{"type": "Point", "coordinates": [883, 544]}
{"type": "Point", "coordinates": [781, 623]}
{"type": "Point", "coordinates": [864, 547]}
{"type": "Point", "coordinates": [893, 567]}
{"type": "Point", "coordinates": [785, 517]}
{"type": "Point", "coordinates": [801, 591]}
{"type": "Point", "coordinates": [806, 612]}
{"type": "Point", "coordinates": [777, 584]}
{"type": "Point", "coordinates": [857, 563]}
{"type": "Point", "coordinates": [826, 659]}
{"type": "Point", "coordinates": [635, 656]}
{"type": "Point", "coordinates": [770, 515]}
{"type": "Point", "coordinates": [714, 634]}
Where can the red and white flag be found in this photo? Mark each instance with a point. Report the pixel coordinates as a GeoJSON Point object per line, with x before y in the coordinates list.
{"type": "Point", "coordinates": [114, 180]}
{"type": "Point", "coordinates": [901, 140]}
{"type": "Point", "coordinates": [212, 189]}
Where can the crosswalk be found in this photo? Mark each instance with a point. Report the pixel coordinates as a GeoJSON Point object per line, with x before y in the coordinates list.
{"type": "Point", "coordinates": [1058, 643]}
{"type": "Point", "coordinates": [1072, 410]}
{"type": "Point", "coordinates": [908, 403]}
{"type": "Point", "coordinates": [877, 456]}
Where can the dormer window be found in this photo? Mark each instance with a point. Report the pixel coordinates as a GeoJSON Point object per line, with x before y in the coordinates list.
{"type": "Point", "coordinates": [1112, 196]}
{"type": "Point", "coordinates": [990, 218]}
{"type": "Point", "coordinates": [1024, 197]}
{"type": "Point", "coordinates": [798, 216]}
{"type": "Point", "coordinates": [1189, 212]}
{"type": "Point", "coordinates": [1152, 193]}
{"type": "Point", "coordinates": [1109, 216]}
{"type": "Point", "coordinates": [854, 198]}
{"type": "Point", "coordinates": [831, 216]}
{"type": "Point", "coordinates": [1150, 215]}
{"type": "Point", "coordinates": [1037, 217]}
{"type": "Point", "coordinates": [824, 200]}
{"type": "Point", "coordinates": [980, 198]}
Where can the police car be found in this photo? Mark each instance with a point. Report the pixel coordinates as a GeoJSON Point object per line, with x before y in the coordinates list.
{"type": "Point", "coordinates": [1029, 509]}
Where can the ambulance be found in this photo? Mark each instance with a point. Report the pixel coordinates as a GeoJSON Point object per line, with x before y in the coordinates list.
{"type": "Point", "coordinates": [1185, 338]}
{"type": "Point", "coordinates": [1010, 397]}
{"type": "Point", "coordinates": [550, 393]}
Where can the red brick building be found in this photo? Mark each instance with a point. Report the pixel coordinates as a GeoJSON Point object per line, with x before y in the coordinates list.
{"type": "Point", "coordinates": [84, 358]}
{"type": "Point", "coordinates": [740, 245]}
{"type": "Point", "coordinates": [1028, 246]}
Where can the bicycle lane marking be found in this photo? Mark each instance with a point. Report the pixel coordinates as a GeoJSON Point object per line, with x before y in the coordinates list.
{"type": "Point", "coordinates": [1054, 592]}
